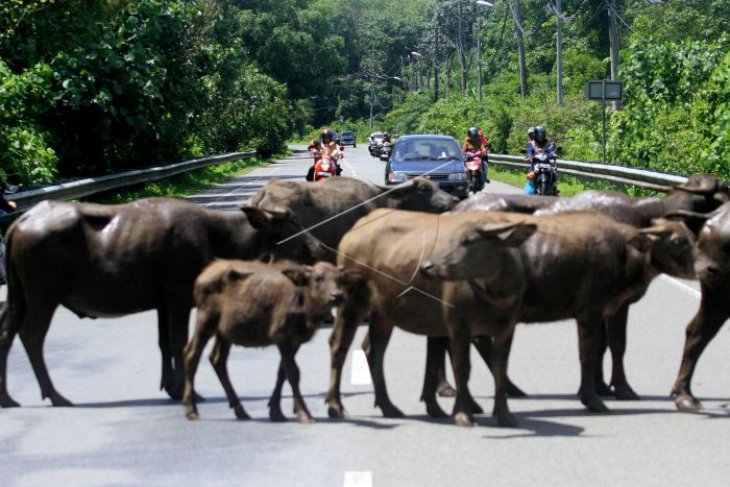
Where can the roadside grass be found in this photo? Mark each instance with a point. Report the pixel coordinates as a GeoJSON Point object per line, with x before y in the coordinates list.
{"type": "Point", "coordinates": [182, 184]}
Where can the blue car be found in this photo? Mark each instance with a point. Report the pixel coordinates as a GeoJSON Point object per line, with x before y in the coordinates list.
{"type": "Point", "coordinates": [437, 157]}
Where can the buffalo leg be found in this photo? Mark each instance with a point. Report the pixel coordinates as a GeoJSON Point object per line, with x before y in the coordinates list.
{"type": "Point", "coordinates": [701, 330]}
{"type": "Point", "coordinates": [443, 387]}
{"type": "Point", "coordinates": [435, 354]}
{"type": "Point", "coordinates": [502, 347]}
{"type": "Point", "coordinates": [483, 345]}
{"type": "Point", "coordinates": [167, 381]}
{"type": "Point", "coordinates": [275, 413]}
{"type": "Point", "coordinates": [219, 359]}
{"type": "Point", "coordinates": [33, 334]}
{"type": "Point", "coordinates": [602, 388]}
{"type": "Point", "coordinates": [204, 329]}
{"type": "Point", "coordinates": [459, 342]}
{"type": "Point", "coordinates": [288, 352]}
{"type": "Point", "coordinates": [616, 325]}
{"type": "Point", "coordinates": [8, 329]}
{"type": "Point", "coordinates": [380, 330]}
{"type": "Point", "coordinates": [177, 326]}
{"type": "Point", "coordinates": [589, 329]}
{"type": "Point", "coordinates": [350, 314]}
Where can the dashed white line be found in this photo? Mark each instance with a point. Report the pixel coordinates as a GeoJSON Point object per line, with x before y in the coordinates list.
{"type": "Point", "coordinates": [360, 372]}
{"type": "Point", "coordinates": [358, 479]}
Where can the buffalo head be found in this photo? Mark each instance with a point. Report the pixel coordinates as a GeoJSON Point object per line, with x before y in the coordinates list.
{"type": "Point", "coordinates": [477, 250]}
{"type": "Point", "coordinates": [421, 194]}
{"type": "Point", "coordinates": [670, 245]}
{"type": "Point", "coordinates": [283, 235]}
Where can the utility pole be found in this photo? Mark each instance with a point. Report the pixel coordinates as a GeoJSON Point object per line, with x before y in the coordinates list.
{"type": "Point", "coordinates": [519, 36]}
{"type": "Point", "coordinates": [460, 45]}
{"type": "Point", "coordinates": [436, 63]}
{"type": "Point", "coordinates": [613, 36]}
{"type": "Point", "coordinates": [559, 55]}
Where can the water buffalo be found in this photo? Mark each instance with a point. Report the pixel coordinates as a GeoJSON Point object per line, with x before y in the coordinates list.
{"type": "Point", "coordinates": [330, 208]}
{"type": "Point", "coordinates": [255, 305]}
{"type": "Point", "coordinates": [386, 249]}
{"type": "Point", "coordinates": [700, 193]}
{"type": "Point", "coordinates": [578, 265]}
{"type": "Point", "coordinates": [115, 260]}
{"type": "Point", "coordinates": [712, 254]}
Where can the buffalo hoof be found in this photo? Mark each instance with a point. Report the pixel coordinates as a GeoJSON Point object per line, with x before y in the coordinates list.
{"type": "Point", "coordinates": [603, 389]}
{"type": "Point", "coordinates": [276, 416]}
{"type": "Point", "coordinates": [625, 393]}
{"type": "Point", "coordinates": [506, 419]}
{"type": "Point", "coordinates": [463, 419]}
{"type": "Point", "coordinates": [514, 391]}
{"type": "Point", "coordinates": [595, 405]}
{"type": "Point", "coordinates": [192, 415]}
{"type": "Point", "coordinates": [59, 401]}
{"type": "Point", "coordinates": [445, 390]}
{"type": "Point", "coordinates": [8, 402]}
{"type": "Point", "coordinates": [685, 402]}
{"type": "Point", "coordinates": [304, 417]}
{"type": "Point", "coordinates": [391, 411]}
{"type": "Point", "coordinates": [241, 413]}
{"type": "Point", "coordinates": [434, 410]}
{"type": "Point", "coordinates": [474, 406]}
{"type": "Point", "coordinates": [336, 411]}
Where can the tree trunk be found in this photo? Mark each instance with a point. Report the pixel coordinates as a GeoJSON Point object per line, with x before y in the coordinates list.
{"type": "Point", "coordinates": [519, 36]}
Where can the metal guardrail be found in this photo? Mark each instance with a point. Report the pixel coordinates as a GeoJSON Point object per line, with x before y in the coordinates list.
{"type": "Point", "coordinates": [619, 174]}
{"type": "Point", "coordinates": [85, 187]}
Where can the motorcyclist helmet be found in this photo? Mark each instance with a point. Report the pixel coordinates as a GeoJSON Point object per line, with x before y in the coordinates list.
{"type": "Point", "coordinates": [327, 136]}
{"type": "Point", "coordinates": [540, 133]}
{"type": "Point", "coordinates": [473, 133]}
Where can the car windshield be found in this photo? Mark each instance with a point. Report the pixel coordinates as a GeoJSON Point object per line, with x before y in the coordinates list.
{"type": "Point", "coordinates": [427, 150]}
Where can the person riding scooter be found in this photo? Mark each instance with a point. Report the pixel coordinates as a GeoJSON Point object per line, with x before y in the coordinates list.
{"type": "Point", "coordinates": [475, 141]}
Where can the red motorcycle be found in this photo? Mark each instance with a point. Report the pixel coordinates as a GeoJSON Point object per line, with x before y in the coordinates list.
{"type": "Point", "coordinates": [324, 168]}
{"type": "Point", "coordinates": [473, 163]}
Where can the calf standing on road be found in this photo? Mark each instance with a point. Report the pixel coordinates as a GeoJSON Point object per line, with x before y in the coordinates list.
{"type": "Point", "coordinates": [254, 304]}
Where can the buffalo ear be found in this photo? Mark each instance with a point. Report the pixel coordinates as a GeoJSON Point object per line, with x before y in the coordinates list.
{"type": "Point", "coordinates": [261, 219]}
{"type": "Point", "coordinates": [642, 242]}
{"type": "Point", "coordinates": [237, 275]}
{"type": "Point", "coordinates": [349, 277]}
{"type": "Point", "coordinates": [299, 275]}
{"type": "Point", "coordinates": [511, 234]}
{"type": "Point", "coordinates": [692, 219]}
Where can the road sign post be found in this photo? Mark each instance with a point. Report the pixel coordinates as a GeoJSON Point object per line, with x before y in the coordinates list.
{"type": "Point", "coordinates": [604, 90]}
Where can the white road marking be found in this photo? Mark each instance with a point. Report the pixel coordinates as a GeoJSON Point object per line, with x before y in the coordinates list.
{"type": "Point", "coordinates": [358, 479]}
{"type": "Point", "coordinates": [353, 173]}
{"type": "Point", "coordinates": [360, 372]}
{"type": "Point", "coordinates": [684, 287]}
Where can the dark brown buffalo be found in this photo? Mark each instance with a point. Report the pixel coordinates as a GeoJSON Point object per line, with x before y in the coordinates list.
{"type": "Point", "coordinates": [580, 265]}
{"type": "Point", "coordinates": [517, 203]}
{"type": "Point", "coordinates": [256, 305]}
{"type": "Point", "coordinates": [701, 193]}
{"type": "Point", "coordinates": [115, 260]}
{"type": "Point", "coordinates": [386, 248]}
{"type": "Point", "coordinates": [712, 255]}
{"type": "Point", "coordinates": [330, 208]}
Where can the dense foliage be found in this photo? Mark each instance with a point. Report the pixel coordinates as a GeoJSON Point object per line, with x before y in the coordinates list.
{"type": "Point", "coordinates": [89, 86]}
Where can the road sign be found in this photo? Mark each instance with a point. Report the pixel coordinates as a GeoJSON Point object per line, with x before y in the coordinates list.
{"type": "Point", "coordinates": [604, 90]}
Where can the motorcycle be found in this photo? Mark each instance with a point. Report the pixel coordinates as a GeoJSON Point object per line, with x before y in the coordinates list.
{"type": "Point", "coordinates": [325, 168]}
{"type": "Point", "coordinates": [374, 148]}
{"type": "Point", "coordinates": [545, 172]}
{"type": "Point", "coordinates": [473, 163]}
{"type": "Point", "coordinates": [385, 151]}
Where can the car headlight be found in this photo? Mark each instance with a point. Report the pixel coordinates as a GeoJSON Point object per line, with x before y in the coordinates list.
{"type": "Point", "coordinates": [457, 176]}
{"type": "Point", "coordinates": [397, 177]}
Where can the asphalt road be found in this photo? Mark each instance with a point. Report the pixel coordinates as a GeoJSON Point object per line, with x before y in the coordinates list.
{"type": "Point", "coordinates": [125, 432]}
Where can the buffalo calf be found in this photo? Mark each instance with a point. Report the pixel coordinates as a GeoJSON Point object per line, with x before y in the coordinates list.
{"type": "Point", "coordinates": [255, 305]}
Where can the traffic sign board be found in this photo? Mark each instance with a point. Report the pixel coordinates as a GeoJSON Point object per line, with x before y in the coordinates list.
{"type": "Point", "coordinates": [605, 90]}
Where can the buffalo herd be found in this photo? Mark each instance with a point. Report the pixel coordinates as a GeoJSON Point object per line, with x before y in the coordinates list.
{"type": "Point", "coordinates": [408, 256]}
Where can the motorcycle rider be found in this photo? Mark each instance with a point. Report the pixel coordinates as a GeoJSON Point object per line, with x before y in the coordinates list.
{"type": "Point", "coordinates": [538, 145]}
{"type": "Point", "coordinates": [327, 146]}
{"type": "Point", "coordinates": [476, 141]}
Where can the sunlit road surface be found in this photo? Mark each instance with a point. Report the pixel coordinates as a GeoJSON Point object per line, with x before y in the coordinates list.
{"type": "Point", "coordinates": [125, 432]}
